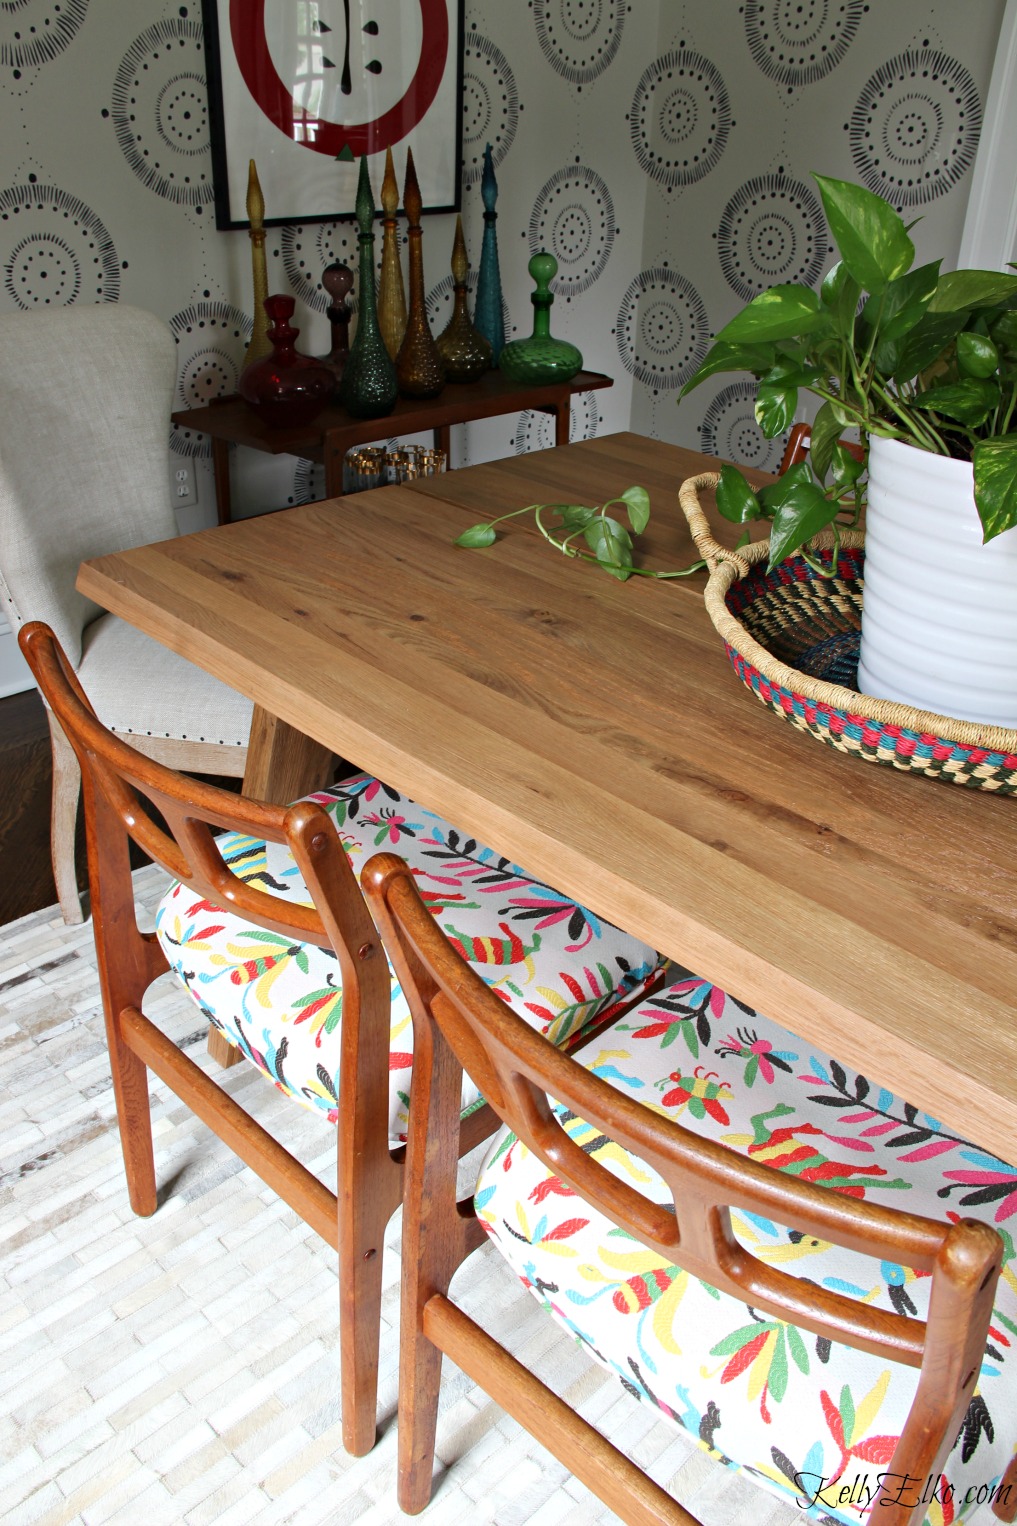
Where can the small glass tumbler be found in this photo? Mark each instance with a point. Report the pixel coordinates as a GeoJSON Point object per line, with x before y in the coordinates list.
{"type": "Point", "coordinates": [363, 468]}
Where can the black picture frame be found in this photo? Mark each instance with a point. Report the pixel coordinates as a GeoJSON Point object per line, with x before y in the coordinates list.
{"type": "Point", "coordinates": [396, 68]}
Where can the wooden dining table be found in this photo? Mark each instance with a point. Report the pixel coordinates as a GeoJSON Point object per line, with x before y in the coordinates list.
{"type": "Point", "coordinates": [593, 731]}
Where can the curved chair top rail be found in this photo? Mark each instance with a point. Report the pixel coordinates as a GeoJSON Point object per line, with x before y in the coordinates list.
{"type": "Point", "coordinates": [516, 1069]}
{"type": "Point", "coordinates": [191, 810]}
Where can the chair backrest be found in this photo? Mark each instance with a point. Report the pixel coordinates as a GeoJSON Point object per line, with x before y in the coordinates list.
{"type": "Point", "coordinates": [116, 780]}
{"type": "Point", "coordinates": [517, 1070]}
{"type": "Point", "coordinates": [85, 398]}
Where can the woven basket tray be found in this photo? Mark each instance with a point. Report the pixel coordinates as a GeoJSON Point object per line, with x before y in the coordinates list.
{"type": "Point", "coordinates": [793, 636]}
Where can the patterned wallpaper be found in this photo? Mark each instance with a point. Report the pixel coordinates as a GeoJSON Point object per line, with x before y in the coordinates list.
{"type": "Point", "coordinates": [661, 150]}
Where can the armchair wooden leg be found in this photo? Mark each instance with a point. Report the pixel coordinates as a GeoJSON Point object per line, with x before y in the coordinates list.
{"type": "Point", "coordinates": [134, 1115]}
{"type": "Point", "coordinates": [364, 1212]}
{"type": "Point", "coordinates": [64, 821]}
{"type": "Point", "coordinates": [221, 1050]}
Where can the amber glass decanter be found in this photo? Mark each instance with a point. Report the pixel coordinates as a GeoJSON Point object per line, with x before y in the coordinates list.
{"type": "Point", "coordinates": [541, 358]}
{"type": "Point", "coordinates": [391, 295]}
{"type": "Point", "coordinates": [465, 353]}
{"type": "Point", "coordinates": [418, 366]}
{"type": "Point", "coordinates": [368, 389]}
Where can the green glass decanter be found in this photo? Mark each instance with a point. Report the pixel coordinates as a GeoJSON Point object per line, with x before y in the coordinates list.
{"type": "Point", "coordinates": [541, 358]}
{"type": "Point", "coordinates": [368, 389]}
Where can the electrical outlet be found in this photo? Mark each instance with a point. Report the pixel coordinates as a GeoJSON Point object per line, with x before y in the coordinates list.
{"type": "Point", "coordinates": [184, 487]}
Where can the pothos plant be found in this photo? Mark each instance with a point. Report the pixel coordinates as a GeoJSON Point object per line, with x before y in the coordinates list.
{"type": "Point", "coordinates": [591, 534]}
{"type": "Point", "coordinates": [889, 349]}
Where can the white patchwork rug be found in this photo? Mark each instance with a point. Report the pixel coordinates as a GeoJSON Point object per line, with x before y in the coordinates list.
{"type": "Point", "coordinates": [183, 1368]}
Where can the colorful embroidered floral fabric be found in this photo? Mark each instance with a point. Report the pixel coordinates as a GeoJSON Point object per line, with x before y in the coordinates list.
{"type": "Point", "coordinates": [796, 1412]}
{"type": "Point", "coordinates": [553, 962]}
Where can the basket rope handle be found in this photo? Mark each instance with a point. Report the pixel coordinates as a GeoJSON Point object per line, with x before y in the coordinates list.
{"type": "Point", "coordinates": [709, 549]}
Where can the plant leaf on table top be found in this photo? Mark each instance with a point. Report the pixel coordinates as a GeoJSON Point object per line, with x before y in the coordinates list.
{"type": "Point", "coordinates": [609, 541]}
{"type": "Point", "coordinates": [476, 537]}
{"type": "Point", "coordinates": [637, 500]}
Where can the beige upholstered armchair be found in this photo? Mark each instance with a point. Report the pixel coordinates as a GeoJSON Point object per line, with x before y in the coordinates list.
{"type": "Point", "coordinates": [85, 400]}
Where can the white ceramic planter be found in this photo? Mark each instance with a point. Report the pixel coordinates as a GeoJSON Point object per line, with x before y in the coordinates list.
{"type": "Point", "coordinates": [939, 624]}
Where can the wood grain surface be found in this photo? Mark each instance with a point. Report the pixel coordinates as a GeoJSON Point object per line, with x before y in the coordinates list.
{"type": "Point", "coordinates": [593, 731]}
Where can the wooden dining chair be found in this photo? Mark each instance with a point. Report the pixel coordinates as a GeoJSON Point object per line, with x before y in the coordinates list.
{"type": "Point", "coordinates": [760, 1244]}
{"type": "Point", "coordinates": [267, 929]}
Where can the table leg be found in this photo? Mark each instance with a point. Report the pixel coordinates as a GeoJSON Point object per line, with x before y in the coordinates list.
{"type": "Point", "coordinates": [563, 420]}
{"type": "Point", "coordinates": [283, 763]}
{"type": "Point", "coordinates": [333, 470]}
{"type": "Point", "coordinates": [443, 441]}
{"type": "Point", "coordinates": [221, 469]}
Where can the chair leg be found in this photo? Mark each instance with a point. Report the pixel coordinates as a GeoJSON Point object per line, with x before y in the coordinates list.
{"type": "Point", "coordinates": [221, 1050]}
{"type": "Point", "coordinates": [1005, 1506]}
{"type": "Point", "coordinates": [364, 1212]}
{"type": "Point", "coordinates": [64, 821]}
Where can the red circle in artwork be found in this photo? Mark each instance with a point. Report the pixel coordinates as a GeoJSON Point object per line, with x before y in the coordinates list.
{"type": "Point", "coordinates": [250, 44]}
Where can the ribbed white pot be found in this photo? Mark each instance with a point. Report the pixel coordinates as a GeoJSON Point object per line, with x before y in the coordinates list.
{"type": "Point", "coordinates": [939, 622]}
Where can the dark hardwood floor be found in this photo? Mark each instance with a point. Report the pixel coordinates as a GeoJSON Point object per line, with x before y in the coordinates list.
{"type": "Point", "coordinates": [26, 878]}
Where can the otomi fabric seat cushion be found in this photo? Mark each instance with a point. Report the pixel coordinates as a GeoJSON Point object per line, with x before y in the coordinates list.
{"type": "Point", "coordinates": [554, 963]}
{"type": "Point", "coordinates": [793, 1410]}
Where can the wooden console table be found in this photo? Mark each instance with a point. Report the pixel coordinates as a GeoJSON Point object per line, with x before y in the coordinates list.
{"type": "Point", "coordinates": [229, 421]}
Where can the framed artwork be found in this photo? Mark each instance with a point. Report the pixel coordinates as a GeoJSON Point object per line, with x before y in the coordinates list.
{"type": "Point", "coordinates": [304, 87]}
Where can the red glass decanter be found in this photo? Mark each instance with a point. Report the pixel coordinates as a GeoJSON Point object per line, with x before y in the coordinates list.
{"type": "Point", "coordinates": [285, 389]}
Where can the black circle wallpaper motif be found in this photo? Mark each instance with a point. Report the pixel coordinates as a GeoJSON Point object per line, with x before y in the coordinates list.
{"type": "Point", "coordinates": [212, 339]}
{"type": "Point", "coordinates": [490, 105]}
{"type": "Point", "coordinates": [32, 32]}
{"type": "Point", "coordinates": [579, 38]}
{"type": "Point", "coordinates": [160, 112]}
{"type": "Point", "coordinates": [535, 431]}
{"type": "Point", "coordinates": [573, 217]}
{"type": "Point", "coordinates": [771, 231]}
{"type": "Point", "coordinates": [306, 248]}
{"type": "Point", "coordinates": [915, 127]}
{"type": "Point", "coordinates": [308, 482]}
{"type": "Point", "coordinates": [797, 42]}
{"type": "Point", "coordinates": [55, 250]}
{"type": "Point", "coordinates": [680, 118]}
{"type": "Point", "coordinates": [729, 430]}
{"type": "Point", "coordinates": [663, 331]}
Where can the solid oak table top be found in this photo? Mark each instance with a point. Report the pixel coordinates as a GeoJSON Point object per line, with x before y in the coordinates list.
{"type": "Point", "coordinates": [593, 731]}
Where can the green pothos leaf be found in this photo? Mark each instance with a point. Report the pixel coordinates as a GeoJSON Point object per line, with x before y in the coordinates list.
{"type": "Point", "coordinates": [637, 500]}
{"type": "Point", "coordinates": [476, 537]}
{"type": "Point", "coordinates": [995, 463]}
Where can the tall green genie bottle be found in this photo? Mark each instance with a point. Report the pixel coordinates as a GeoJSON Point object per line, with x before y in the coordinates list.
{"type": "Point", "coordinates": [368, 389]}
